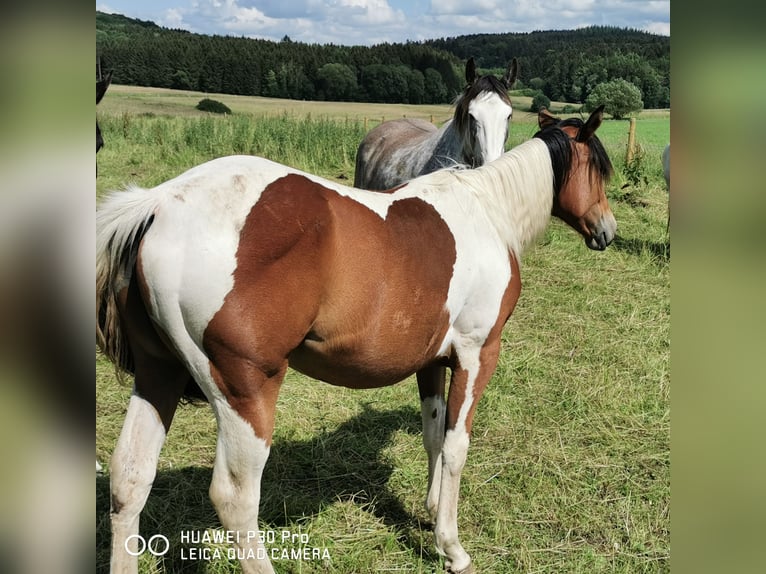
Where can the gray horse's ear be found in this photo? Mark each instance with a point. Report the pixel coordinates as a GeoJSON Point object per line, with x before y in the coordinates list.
{"type": "Point", "coordinates": [470, 71]}
{"type": "Point", "coordinates": [546, 119]}
{"type": "Point", "coordinates": [511, 74]}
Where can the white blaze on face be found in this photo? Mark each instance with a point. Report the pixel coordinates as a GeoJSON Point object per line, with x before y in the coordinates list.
{"type": "Point", "coordinates": [491, 116]}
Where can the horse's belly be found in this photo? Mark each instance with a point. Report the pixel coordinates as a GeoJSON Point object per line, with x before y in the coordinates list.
{"type": "Point", "coordinates": [368, 365]}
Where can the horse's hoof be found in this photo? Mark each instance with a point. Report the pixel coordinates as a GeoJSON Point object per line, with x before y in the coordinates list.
{"type": "Point", "coordinates": [467, 570]}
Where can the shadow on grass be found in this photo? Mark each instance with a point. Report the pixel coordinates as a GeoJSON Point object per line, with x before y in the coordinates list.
{"type": "Point", "coordinates": [301, 478]}
{"type": "Point", "coordinates": [659, 250]}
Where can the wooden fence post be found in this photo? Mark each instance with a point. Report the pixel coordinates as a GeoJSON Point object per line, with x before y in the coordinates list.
{"type": "Point", "coordinates": [631, 141]}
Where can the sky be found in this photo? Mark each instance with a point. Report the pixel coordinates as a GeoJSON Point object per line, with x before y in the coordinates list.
{"type": "Point", "coordinates": [367, 22]}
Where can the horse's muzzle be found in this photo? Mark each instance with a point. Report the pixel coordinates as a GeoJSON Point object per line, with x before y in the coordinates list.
{"type": "Point", "coordinates": [602, 234]}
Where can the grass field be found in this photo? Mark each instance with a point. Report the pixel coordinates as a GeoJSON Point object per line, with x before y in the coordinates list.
{"type": "Point", "coordinates": [568, 469]}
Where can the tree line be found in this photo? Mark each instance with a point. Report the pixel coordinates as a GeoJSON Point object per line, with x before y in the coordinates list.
{"type": "Point", "coordinates": [567, 65]}
{"type": "Point", "coordinates": [142, 53]}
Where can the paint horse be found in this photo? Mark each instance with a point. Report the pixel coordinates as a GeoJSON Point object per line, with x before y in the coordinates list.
{"type": "Point", "coordinates": [399, 150]}
{"type": "Point", "coordinates": [226, 274]}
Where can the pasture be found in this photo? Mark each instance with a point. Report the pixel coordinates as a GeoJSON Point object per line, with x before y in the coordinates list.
{"type": "Point", "coordinates": [568, 469]}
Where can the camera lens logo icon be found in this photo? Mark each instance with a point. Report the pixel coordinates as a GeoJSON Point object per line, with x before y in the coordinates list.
{"type": "Point", "coordinates": [157, 545]}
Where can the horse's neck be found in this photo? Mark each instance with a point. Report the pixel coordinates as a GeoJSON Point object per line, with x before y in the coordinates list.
{"type": "Point", "coordinates": [516, 191]}
{"type": "Point", "coordinates": [447, 151]}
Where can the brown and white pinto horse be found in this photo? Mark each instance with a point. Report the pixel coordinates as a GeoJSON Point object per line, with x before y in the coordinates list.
{"type": "Point", "coordinates": [233, 270]}
{"type": "Point", "coordinates": [399, 150]}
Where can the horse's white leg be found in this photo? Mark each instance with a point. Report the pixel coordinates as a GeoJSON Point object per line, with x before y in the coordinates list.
{"type": "Point", "coordinates": [133, 467]}
{"type": "Point", "coordinates": [469, 379]}
{"type": "Point", "coordinates": [433, 409]}
{"type": "Point", "coordinates": [455, 450]}
{"type": "Point", "coordinates": [236, 487]}
{"type": "Point", "coordinates": [244, 441]}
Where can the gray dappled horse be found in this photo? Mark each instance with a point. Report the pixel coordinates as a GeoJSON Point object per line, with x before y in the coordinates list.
{"type": "Point", "coordinates": [398, 150]}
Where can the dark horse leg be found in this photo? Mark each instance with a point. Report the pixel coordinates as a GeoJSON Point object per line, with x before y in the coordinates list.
{"type": "Point", "coordinates": [160, 379]}
{"type": "Point", "coordinates": [433, 409]}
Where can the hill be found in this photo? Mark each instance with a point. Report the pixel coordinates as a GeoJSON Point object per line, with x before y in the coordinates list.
{"type": "Point", "coordinates": [565, 65]}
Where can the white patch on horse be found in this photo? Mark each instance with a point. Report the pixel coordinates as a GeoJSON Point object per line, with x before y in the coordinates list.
{"type": "Point", "coordinates": [489, 110]}
{"type": "Point", "coordinates": [200, 222]}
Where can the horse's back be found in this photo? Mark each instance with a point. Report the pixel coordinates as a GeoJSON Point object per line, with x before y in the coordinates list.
{"type": "Point", "coordinates": [389, 155]}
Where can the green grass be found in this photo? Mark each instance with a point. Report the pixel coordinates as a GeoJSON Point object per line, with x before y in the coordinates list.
{"type": "Point", "coordinates": [149, 149]}
{"type": "Point", "coordinates": [568, 469]}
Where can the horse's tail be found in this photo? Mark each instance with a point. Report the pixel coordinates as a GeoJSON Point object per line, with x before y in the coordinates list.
{"type": "Point", "coordinates": [122, 219]}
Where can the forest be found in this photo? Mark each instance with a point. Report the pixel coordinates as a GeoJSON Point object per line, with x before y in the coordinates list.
{"type": "Point", "coordinates": [564, 65]}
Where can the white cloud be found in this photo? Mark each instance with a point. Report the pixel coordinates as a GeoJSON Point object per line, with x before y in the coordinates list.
{"type": "Point", "coordinates": [455, 17]}
{"type": "Point", "coordinates": [106, 8]}
{"type": "Point", "coordinates": [375, 21]}
{"type": "Point", "coordinates": [661, 28]}
{"type": "Point", "coordinates": [320, 21]}
{"type": "Point", "coordinates": [172, 18]}
{"type": "Point", "coordinates": [365, 12]}
{"type": "Point", "coordinates": [466, 7]}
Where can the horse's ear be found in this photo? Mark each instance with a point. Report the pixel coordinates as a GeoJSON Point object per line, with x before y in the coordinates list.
{"type": "Point", "coordinates": [102, 85]}
{"type": "Point", "coordinates": [470, 71]}
{"type": "Point", "coordinates": [590, 126]}
{"type": "Point", "coordinates": [510, 74]}
{"type": "Point", "coordinates": [546, 119]}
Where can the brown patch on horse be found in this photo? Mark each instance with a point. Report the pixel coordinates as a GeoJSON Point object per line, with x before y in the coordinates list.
{"type": "Point", "coordinates": [322, 280]}
{"type": "Point", "coordinates": [488, 357]}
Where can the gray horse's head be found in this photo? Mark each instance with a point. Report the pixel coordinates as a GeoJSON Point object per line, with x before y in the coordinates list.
{"type": "Point", "coordinates": [483, 112]}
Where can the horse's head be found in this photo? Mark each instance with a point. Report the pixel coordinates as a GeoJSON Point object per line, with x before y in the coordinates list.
{"type": "Point", "coordinates": [482, 113]}
{"type": "Point", "coordinates": [581, 169]}
{"type": "Point", "coordinates": [101, 86]}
